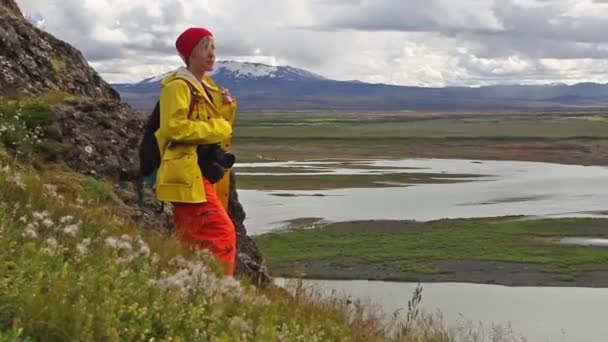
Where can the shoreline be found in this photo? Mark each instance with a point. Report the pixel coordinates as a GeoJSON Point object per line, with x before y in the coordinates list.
{"type": "Point", "coordinates": [534, 278]}
{"type": "Point", "coordinates": [501, 251]}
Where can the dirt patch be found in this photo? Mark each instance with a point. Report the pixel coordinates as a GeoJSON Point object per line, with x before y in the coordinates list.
{"type": "Point", "coordinates": [465, 271]}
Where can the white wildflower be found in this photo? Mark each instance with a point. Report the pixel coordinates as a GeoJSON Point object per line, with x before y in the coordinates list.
{"type": "Point", "coordinates": [38, 216]}
{"type": "Point", "coordinates": [124, 248]}
{"type": "Point", "coordinates": [261, 301]}
{"type": "Point", "coordinates": [30, 233]}
{"type": "Point", "coordinates": [15, 209]}
{"type": "Point", "coordinates": [51, 189]}
{"type": "Point", "coordinates": [178, 261]}
{"type": "Point", "coordinates": [18, 181]}
{"type": "Point", "coordinates": [51, 242]}
{"type": "Point", "coordinates": [155, 258]}
{"type": "Point", "coordinates": [83, 247]}
{"type": "Point", "coordinates": [52, 247]}
{"type": "Point", "coordinates": [48, 223]}
{"type": "Point", "coordinates": [239, 324]}
{"type": "Point", "coordinates": [112, 242]}
{"type": "Point", "coordinates": [88, 149]}
{"type": "Point", "coordinates": [71, 229]}
{"type": "Point", "coordinates": [144, 250]}
{"type": "Point", "coordinates": [126, 237]}
{"type": "Point", "coordinates": [23, 219]}
{"type": "Point", "coordinates": [66, 219]}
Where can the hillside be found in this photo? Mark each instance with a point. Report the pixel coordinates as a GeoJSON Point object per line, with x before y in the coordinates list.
{"type": "Point", "coordinates": [52, 93]}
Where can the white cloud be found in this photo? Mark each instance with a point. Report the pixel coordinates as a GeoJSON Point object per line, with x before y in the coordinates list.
{"type": "Point", "coordinates": [414, 42]}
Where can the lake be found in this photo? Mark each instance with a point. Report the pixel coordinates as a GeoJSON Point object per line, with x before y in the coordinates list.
{"type": "Point", "coordinates": [506, 188]}
{"type": "Point", "coordinates": [535, 313]}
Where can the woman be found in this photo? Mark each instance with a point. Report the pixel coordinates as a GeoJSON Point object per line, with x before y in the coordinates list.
{"type": "Point", "coordinates": [194, 111]}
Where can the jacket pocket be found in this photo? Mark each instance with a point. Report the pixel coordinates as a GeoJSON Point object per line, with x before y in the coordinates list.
{"type": "Point", "coordinates": [178, 168]}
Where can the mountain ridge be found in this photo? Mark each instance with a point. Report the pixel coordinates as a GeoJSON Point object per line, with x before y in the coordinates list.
{"type": "Point", "coordinates": [261, 86]}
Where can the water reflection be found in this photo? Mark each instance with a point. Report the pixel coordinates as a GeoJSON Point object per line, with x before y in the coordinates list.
{"type": "Point", "coordinates": [510, 188]}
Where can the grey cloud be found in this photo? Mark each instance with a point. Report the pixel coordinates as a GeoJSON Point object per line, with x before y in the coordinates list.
{"type": "Point", "coordinates": [541, 31]}
{"type": "Point", "coordinates": [347, 39]}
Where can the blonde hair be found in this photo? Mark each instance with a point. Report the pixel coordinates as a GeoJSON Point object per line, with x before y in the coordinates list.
{"type": "Point", "coordinates": [202, 44]}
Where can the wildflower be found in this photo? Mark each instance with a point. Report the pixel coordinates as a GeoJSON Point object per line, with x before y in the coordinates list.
{"type": "Point", "coordinates": [261, 301]}
{"type": "Point", "coordinates": [83, 247]}
{"type": "Point", "coordinates": [66, 219]}
{"type": "Point", "coordinates": [38, 216]}
{"type": "Point", "coordinates": [23, 219]}
{"type": "Point", "coordinates": [240, 324]}
{"type": "Point", "coordinates": [15, 209]}
{"type": "Point", "coordinates": [52, 247]}
{"type": "Point", "coordinates": [51, 242]}
{"type": "Point", "coordinates": [71, 229]}
{"type": "Point", "coordinates": [118, 244]}
{"type": "Point", "coordinates": [30, 233]}
{"type": "Point", "coordinates": [18, 181]}
{"type": "Point", "coordinates": [50, 188]}
{"type": "Point", "coordinates": [144, 250]}
{"type": "Point", "coordinates": [48, 223]}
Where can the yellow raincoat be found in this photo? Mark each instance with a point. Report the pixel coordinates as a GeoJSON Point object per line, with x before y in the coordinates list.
{"type": "Point", "coordinates": [179, 177]}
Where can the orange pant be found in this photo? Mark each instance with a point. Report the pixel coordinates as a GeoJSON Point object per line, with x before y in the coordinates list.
{"type": "Point", "coordinates": [207, 225]}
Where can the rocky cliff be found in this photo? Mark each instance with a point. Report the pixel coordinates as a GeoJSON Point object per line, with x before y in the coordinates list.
{"type": "Point", "coordinates": [34, 62]}
{"type": "Point", "coordinates": [94, 133]}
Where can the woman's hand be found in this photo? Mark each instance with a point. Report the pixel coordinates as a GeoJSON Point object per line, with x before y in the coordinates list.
{"type": "Point", "coordinates": [226, 97]}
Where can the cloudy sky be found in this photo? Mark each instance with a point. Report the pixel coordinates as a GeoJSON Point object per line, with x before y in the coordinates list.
{"type": "Point", "coordinates": [408, 42]}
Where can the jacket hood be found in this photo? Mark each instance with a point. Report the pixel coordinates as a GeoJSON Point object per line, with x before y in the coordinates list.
{"type": "Point", "coordinates": [185, 74]}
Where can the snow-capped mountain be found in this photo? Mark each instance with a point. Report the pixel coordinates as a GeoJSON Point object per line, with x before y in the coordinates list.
{"type": "Point", "coordinates": [260, 86]}
{"type": "Point", "coordinates": [231, 74]}
{"type": "Point", "coordinates": [256, 71]}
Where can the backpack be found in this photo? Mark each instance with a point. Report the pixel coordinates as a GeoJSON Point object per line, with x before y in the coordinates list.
{"type": "Point", "coordinates": [149, 152]}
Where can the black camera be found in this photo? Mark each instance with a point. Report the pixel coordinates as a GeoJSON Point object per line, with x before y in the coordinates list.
{"type": "Point", "coordinates": [213, 161]}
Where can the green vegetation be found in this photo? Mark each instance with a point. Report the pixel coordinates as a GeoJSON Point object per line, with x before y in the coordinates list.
{"type": "Point", "coordinates": [318, 182]}
{"type": "Point", "coordinates": [74, 266]}
{"type": "Point", "coordinates": [416, 246]}
{"type": "Point", "coordinates": [568, 138]}
{"type": "Point", "coordinates": [58, 64]}
{"type": "Point", "coordinates": [22, 125]}
{"type": "Point", "coordinates": [97, 190]}
{"type": "Point", "coordinates": [378, 126]}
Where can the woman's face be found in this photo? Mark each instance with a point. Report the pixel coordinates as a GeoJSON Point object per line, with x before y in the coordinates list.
{"type": "Point", "coordinates": [202, 58]}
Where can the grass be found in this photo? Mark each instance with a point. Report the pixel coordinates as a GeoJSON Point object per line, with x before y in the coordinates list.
{"type": "Point", "coordinates": [413, 246]}
{"type": "Point", "coordinates": [569, 137]}
{"type": "Point", "coordinates": [318, 182]}
{"type": "Point", "coordinates": [58, 64]}
{"type": "Point", "coordinates": [366, 125]}
{"type": "Point", "coordinates": [74, 266]}
{"type": "Point", "coordinates": [22, 125]}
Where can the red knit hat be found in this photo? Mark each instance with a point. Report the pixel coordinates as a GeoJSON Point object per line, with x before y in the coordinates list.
{"type": "Point", "coordinates": [186, 41]}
